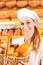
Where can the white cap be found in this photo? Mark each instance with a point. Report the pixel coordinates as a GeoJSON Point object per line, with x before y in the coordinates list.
{"type": "Point", "coordinates": [26, 12]}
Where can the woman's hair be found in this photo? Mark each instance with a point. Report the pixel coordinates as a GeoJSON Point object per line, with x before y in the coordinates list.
{"type": "Point", "coordinates": [35, 39]}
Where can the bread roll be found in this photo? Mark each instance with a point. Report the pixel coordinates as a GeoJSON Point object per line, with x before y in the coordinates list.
{"type": "Point", "coordinates": [21, 3]}
{"type": "Point", "coordinates": [2, 4]}
{"type": "Point", "coordinates": [41, 3]}
{"type": "Point", "coordinates": [10, 4]}
{"type": "Point", "coordinates": [33, 3]}
{"type": "Point", "coordinates": [10, 50]}
{"type": "Point", "coordinates": [4, 14]}
{"type": "Point", "coordinates": [14, 54]}
{"type": "Point", "coordinates": [10, 32]}
{"type": "Point", "coordinates": [17, 32]}
{"type": "Point", "coordinates": [4, 32]}
{"type": "Point", "coordinates": [13, 14]}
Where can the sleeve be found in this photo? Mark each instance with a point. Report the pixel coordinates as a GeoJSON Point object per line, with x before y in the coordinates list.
{"type": "Point", "coordinates": [32, 58]}
{"type": "Point", "coordinates": [41, 49]}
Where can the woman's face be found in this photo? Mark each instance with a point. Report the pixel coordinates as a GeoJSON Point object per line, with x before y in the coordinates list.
{"type": "Point", "coordinates": [27, 25]}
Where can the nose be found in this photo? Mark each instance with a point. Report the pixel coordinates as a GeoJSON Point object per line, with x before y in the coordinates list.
{"type": "Point", "coordinates": [25, 26]}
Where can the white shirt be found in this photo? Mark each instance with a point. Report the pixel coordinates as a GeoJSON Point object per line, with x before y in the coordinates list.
{"type": "Point", "coordinates": [36, 57]}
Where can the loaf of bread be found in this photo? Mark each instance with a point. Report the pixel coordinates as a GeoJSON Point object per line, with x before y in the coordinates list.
{"type": "Point", "coordinates": [33, 3]}
{"type": "Point", "coordinates": [41, 3]}
{"type": "Point", "coordinates": [4, 14]}
{"type": "Point", "coordinates": [2, 4]}
{"type": "Point", "coordinates": [10, 4]}
{"type": "Point", "coordinates": [21, 3]}
{"type": "Point", "coordinates": [24, 49]}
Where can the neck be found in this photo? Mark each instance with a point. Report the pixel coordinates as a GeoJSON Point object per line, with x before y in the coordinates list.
{"type": "Point", "coordinates": [28, 40]}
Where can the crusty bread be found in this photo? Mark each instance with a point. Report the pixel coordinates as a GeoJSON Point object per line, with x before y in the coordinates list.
{"type": "Point", "coordinates": [10, 50]}
{"type": "Point", "coordinates": [21, 3]}
{"type": "Point", "coordinates": [10, 4]}
{"type": "Point", "coordinates": [24, 49]}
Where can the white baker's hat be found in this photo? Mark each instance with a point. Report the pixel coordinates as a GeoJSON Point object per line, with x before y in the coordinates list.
{"type": "Point", "coordinates": [26, 12]}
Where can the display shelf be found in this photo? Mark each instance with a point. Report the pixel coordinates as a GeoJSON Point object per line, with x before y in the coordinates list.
{"type": "Point", "coordinates": [9, 25]}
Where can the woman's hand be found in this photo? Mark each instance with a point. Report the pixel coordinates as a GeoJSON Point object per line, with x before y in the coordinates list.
{"type": "Point", "coordinates": [22, 63]}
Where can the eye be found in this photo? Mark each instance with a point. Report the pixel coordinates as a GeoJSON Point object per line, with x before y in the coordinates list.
{"type": "Point", "coordinates": [27, 22]}
{"type": "Point", "coordinates": [22, 23]}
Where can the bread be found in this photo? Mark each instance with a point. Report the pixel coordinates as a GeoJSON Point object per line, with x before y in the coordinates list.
{"type": "Point", "coordinates": [2, 4]}
{"type": "Point", "coordinates": [13, 14]}
{"type": "Point", "coordinates": [4, 14]}
{"type": "Point", "coordinates": [15, 46]}
{"type": "Point", "coordinates": [10, 32]}
{"type": "Point", "coordinates": [0, 49]}
{"type": "Point", "coordinates": [24, 49]}
{"type": "Point", "coordinates": [41, 3]}
{"type": "Point", "coordinates": [10, 50]}
{"type": "Point", "coordinates": [4, 20]}
{"type": "Point", "coordinates": [10, 4]}
{"type": "Point", "coordinates": [33, 3]}
{"type": "Point", "coordinates": [14, 54]}
{"type": "Point", "coordinates": [4, 0]}
{"type": "Point", "coordinates": [21, 3]}
{"type": "Point", "coordinates": [4, 33]}
{"type": "Point", "coordinates": [17, 32]}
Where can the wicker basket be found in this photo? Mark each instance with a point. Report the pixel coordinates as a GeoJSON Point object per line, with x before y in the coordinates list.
{"type": "Point", "coordinates": [16, 60]}
{"type": "Point", "coordinates": [12, 60]}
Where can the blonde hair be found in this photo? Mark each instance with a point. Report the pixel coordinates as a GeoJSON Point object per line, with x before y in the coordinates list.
{"type": "Point", "coordinates": [35, 39]}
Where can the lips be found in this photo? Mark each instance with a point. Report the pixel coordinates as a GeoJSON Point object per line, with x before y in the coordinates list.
{"type": "Point", "coordinates": [26, 30]}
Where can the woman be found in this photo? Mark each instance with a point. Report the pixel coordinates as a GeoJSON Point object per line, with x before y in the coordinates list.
{"type": "Point", "coordinates": [28, 20]}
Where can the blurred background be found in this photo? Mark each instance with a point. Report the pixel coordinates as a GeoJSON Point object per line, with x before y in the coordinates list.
{"type": "Point", "coordinates": [8, 8]}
